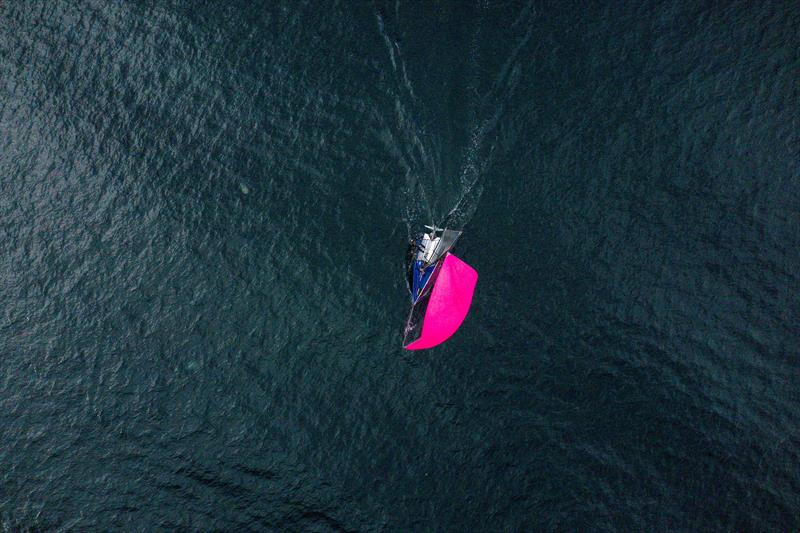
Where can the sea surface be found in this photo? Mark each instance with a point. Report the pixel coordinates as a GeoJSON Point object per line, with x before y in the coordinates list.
{"type": "Point", "coordinates": [204, 210]}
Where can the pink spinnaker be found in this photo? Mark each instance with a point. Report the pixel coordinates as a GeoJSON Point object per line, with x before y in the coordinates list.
{"type": "Point", "coordinates": [449, 303]}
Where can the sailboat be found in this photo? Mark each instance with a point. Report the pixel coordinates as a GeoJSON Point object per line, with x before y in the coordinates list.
{"type": "Point", "coordinates": [441, 287]}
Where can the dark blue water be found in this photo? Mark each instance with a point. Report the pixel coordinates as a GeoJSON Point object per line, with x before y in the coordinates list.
{"type": "Point", "coordinates": [203, 213]}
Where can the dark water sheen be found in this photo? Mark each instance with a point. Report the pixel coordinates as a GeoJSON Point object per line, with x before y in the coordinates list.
{"type": "Point", "coordinates": [203, 212]}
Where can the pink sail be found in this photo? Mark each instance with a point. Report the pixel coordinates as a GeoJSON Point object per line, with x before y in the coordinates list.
{"type": "Point", "coordinates": [449, 303]}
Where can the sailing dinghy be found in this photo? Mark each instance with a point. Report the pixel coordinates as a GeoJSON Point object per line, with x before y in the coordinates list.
{"type": "Point", "coordinates": [441, 287]}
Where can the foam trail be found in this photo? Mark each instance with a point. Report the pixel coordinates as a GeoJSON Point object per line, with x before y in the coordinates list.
{"type": "Point", "coordinates": [407, 137]}
{"type": "Point", "coordinates": [417, 153]}
{"type": "Point", "coordinates": [470, 175]}
{"type": "Point", "coordinates": [479, 154]}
